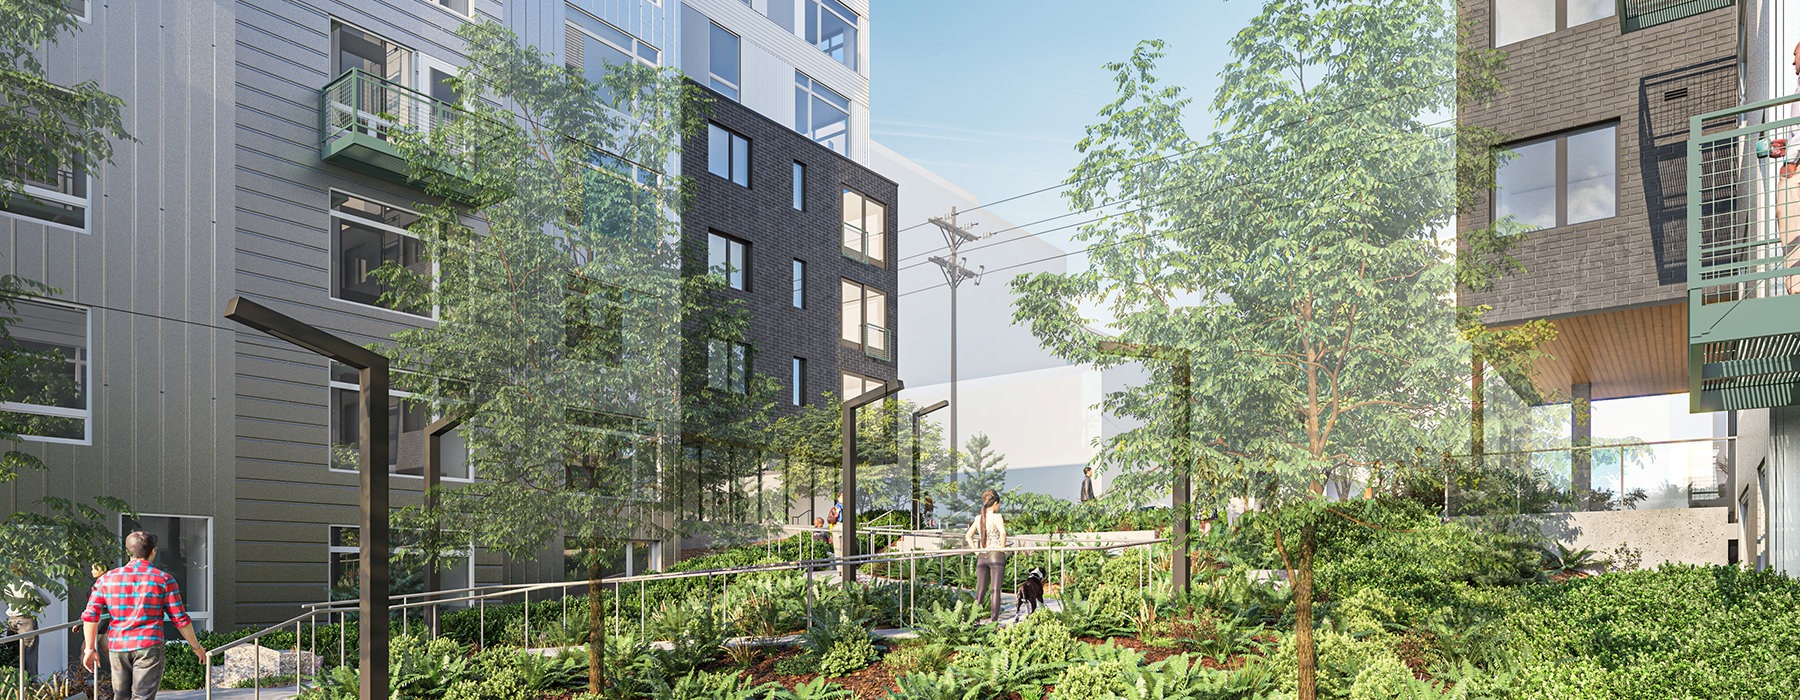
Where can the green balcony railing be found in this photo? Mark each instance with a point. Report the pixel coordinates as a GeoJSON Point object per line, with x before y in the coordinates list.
{"type": "Point", "coordinates": [1743, 257]}
{"type": "Point", "coordinates": [1643, 14]}
{"type": "Point", "coordinates": [361, 117]}
{"type": "Point", "coordinates": [878, 342]}
{"type": "Point", "coordinates": [862, 246]}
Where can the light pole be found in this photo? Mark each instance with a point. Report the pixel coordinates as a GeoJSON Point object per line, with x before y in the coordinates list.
{"type": "Point", "coordinates": [434, 472]}
{"type": "Point", "coordinates": [918, 517]}
{"type": "Point", "coordinates": [372, 448]}
{"type": "Point", "coordinates": [1181, 359]}
{"type": "Point", "coordinates": [847, 519]}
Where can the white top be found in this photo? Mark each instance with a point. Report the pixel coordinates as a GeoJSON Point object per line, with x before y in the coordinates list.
{"type": "Point", "coordinates": [996, 533]}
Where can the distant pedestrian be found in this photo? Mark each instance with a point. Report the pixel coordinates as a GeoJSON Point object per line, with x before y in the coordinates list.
{"type": "Point", "coordinates": [1087, 484]}
{"type": "Point", "coordinates": [987, 535]}
{"type": "Point", "coordinates": [138, 596]}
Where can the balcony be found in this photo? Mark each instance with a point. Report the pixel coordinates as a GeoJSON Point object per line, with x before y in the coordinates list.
{"type": "Point", "coordinates": [1638, 476]}
{"type": "Point", "coordinates": [862, 246]}
{"type": "Point", "coordinates": [361, 118]}
{"type": "Point", "coordinates": [877, 342]}
{"type": "Point", "coordinates": [1644, 14]}
{"type": "Point", "coordinates": [1743, 281]}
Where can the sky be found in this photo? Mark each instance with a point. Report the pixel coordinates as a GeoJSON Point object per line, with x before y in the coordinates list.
{"type": "Point", "coordinates": [993, 94]}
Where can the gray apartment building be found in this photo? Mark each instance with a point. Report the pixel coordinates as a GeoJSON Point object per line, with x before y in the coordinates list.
{"type": "Point", "coordinates": [255, 173]}
{"type": "Point", "coordinates": [1652, 155]}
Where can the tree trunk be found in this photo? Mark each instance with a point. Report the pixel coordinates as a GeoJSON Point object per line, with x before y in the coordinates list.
{"type": "Point", "coordinates": [596, 630]}
{"type": "Point", "coordinates": [1303, 616]}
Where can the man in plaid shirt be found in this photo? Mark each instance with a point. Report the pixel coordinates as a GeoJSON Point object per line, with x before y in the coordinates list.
{"type": "Point", "coordinates": [137, 596]}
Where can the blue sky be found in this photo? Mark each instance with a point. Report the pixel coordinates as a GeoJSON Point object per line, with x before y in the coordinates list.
{"type": "Point", "coordinates": [993, 94]}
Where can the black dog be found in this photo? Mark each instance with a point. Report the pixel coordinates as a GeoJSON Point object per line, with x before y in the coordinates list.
{"type": "Point", "coordinates": [1031, 590]}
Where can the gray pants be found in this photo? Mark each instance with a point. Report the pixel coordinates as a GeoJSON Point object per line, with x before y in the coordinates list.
{"type": "Point", "coordinates": [990, 574]}
{"type": "Point", "coordinates": [136, 674]}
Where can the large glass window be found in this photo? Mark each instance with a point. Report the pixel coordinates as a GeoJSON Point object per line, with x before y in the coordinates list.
{"type": "Point", "coordinates": [723, 60]}
{"type": "Point", "coordinates": [865, 317]}
{"type": "Point", "coordinates": [365, 236]}
{"type": "Point", "coordinates": [184, 551]}
{"type": "Point", "coordinates": [46, 397]}
{"type": "Point", "coordinates": [58, 198]}
{"type": "Point", "coordinates": [371, 53]}
{"type": "Point", "coordinates": [590, 45]}
{"type": "Point", "coordinates": [832, 27]}
{"type": "Point", "coordinates": [855, 385]}
{"type": "Point", "coordinates": [1518, 20]}
{"type": "Point", "coordinates": [728, 366]}
{"type": "Point", "coordinates": [821, 114]}
{"type": "Point", "coordinates": [614, 455]}
{"type": "Point", "coordinates": [865, 228]}
{"type": "Point", "coordinates": [407, 420]}
{"type": "Point", "coordinates": [634, 558]}
{"type": "Point", "coordinates": [729, 258]}
{"type": "Point", "coordinates": [406, 565]}
{"type": "Point", "coordinates": [1564, 179]}
{"type": "Point", "coordinates": [727, 154]}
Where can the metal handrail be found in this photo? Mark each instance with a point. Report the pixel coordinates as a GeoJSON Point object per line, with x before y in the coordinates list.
{"type": "Point", "coordinates": [93, 678]}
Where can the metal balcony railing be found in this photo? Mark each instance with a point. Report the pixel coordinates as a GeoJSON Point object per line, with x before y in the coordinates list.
{"type": "Point", "coordinates": [1643, 14]}
{"type": "Point", "coordinates": [862, 246]}
{"type": "Point", "coordinates": [361, 117]}
{"type": "Point", "coordinates": [1743, 198]}
{"type": "Point", "coordinates": [1634, 476]}
{"type": "Point", "coordinates": [877, 342]}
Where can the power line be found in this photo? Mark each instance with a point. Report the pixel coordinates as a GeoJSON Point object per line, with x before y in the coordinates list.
{"type": "Point", "coordinates": [1279, 127]}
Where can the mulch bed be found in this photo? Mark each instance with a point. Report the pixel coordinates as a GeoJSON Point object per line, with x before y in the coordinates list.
{"type": "Point", "coordinates": [872, 683]}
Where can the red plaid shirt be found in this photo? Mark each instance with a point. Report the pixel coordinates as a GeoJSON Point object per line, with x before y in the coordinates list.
{"type": "Point", "coordinates": [137, 596]}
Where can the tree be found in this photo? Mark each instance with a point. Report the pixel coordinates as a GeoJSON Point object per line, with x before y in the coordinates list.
{"type": "Point", "coordinates": [1294, 255]}
{"type": "Point", "coordinates": [49, 134]}
{"type": "Point", "coordinates": [985, 470]}
{"type": "Point", "coordinates": [562, 306]}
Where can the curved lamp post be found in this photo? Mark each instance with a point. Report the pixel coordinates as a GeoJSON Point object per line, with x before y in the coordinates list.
{"type": "Point", "coordinates": [918, 517]}
{"type": "Point", "coordinates": [848, 518]}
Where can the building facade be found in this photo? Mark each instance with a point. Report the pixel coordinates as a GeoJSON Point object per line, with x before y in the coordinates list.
{"type": "Point", "coordinates": [257, 172]}
{"type": "Point", "coordinates": [1595, 110]}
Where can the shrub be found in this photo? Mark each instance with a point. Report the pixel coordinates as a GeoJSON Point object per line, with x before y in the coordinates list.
{"type": "Point", "coordinates": [1384, 679]}
{"type": "Point", "coordinates": [954, 626]}
{"type": "Point", "coordinates": [1038, 639]}
{"type": "Point", "coordinates": [1090, 681]}
{"type": "Point", "coordinates": [918, 658]}
{"type": "Point", "coordinates": [847, 656]}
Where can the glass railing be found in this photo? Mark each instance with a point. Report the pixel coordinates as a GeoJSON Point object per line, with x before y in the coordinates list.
{"type": "Point", "coordinates": [877, 342]}
{"type": "Point", "coordinates": [862, 246]}
{"type": "Point", "coordinates": [1633, 476]}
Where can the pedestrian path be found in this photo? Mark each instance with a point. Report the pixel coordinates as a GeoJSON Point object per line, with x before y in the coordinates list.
{"type": "Point", "coordinates": [278, 693]}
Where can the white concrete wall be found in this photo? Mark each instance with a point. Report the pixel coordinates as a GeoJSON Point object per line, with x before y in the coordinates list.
{"type": "Point", "coordinates": [1678, 535]}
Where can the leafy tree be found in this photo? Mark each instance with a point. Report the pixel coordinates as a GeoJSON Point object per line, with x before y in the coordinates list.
{"type": "Point", "coordinates": [984, 470]}
{"type": "Point", "coordinates": [1325, 345]}
{"type": "Point", "coordinates": [48, 134]}
{"type": "Point", "coordinates": [564, 317]}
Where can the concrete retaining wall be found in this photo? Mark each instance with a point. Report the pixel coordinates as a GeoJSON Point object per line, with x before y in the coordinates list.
{"type": "Point", "coordinates": [1683, 535]}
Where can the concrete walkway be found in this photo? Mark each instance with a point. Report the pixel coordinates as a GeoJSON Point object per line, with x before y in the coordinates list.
{"type": "Point", "coordinates": [281, 693]}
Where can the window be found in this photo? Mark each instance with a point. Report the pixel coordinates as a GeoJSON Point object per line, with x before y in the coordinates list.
{"type": "Point", "coordinates": [728, 366]}
{"type": "Point", "coordinates": [184, 550]}
{"type": "Point", "coordinates": [856, 385]}
{"type": "Point", "coordinates": [1518, 20]}
{"type": "Point", "coordinates": [367, 235]}
{"type": "Point", "coordinates": [460, 7]}
{"type": "Point", "coordinates": [619, 200]}
{"type": "Point", "coordinates": [79, 8]}
{"type": "Point", "coordinates": [799, 187]}
{"type": "Point", "coordinates": [59, 199]}
{"type": "Point", "coordinates": [370, 53]}
{"type": "Point", "coordinates": [407, 420]}
{"type": "Point", "coordinates": [832, 27]}
{"type": "Point", "coordinates": [595, 322]}
{"type": "Point", "coordinates": [865, 318]}
{"type": "Point", "coordinates": [799, 284]}
{"type": "Point", "coordinates": [634, 558]}
{"type": "Point", "coordinates": [865, 228]}
{"type": "Point", "coordinates": [47, 398]}
{"type": "Point", "coordinates": [591, 45]}
{"type": "Point", "coordinates": [406, 571]}
{"type": "Point", "coordinates": [613, 455]}
{"type": "Point", "coordinates": [723, 61]}
{"type": "Point", "coordinates": [822, 115]}
{"type": "Point", "coordinates": [1564, 179]}
{"type": "Point", "coordinates": [727, 155]}
{"type": "Point", "coordinates": [798, 381]}
{"type": "Point", "coordinates": [729, 258]}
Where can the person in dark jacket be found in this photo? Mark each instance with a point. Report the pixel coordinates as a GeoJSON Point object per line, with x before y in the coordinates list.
{"type": "Point", "coordinates": [1087, 484]}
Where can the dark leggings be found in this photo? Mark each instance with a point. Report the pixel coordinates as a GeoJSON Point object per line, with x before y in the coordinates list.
{"type": "Point", "coordinates": [989, 572]}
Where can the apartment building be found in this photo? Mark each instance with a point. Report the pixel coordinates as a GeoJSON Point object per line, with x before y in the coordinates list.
{"type": "Point", "coordinates": [256, 173]}
{"type": "Point", "coordinates": [1596, 109]}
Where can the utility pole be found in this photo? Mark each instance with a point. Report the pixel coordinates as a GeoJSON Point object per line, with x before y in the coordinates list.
{"type": "Point", "coordinates": [955, 271]}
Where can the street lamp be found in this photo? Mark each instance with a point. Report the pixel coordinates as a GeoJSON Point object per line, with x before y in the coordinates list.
{"type": "Point", "coordinates": [1180, 366]}
{"type": "Point", "coordinates": [918, 517]}
{"type": "Point", "coordinates": [372, 446]}
{"type": "Point", "coordinates": [434, 471]}
{"type": "Point", "coordinates": [848, 518]}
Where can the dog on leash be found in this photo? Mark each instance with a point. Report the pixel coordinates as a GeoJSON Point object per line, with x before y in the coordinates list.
{"type": "Point", "coordinates": [1031, 590]}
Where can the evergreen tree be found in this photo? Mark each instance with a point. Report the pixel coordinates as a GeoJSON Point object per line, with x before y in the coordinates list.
{"type": "Point", "coordinates": [982, 470]}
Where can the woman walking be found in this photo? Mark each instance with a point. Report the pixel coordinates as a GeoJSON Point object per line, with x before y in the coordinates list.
{"type": "Point", "coordinates": [987, 535]}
